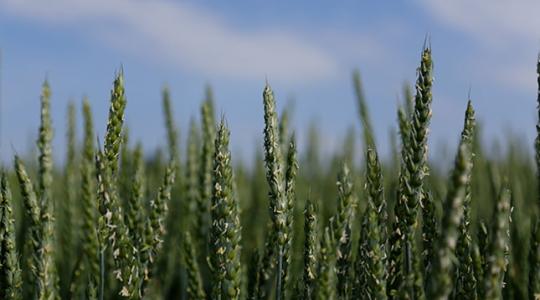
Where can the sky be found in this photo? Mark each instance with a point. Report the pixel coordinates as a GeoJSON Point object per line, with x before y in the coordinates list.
{"type": "Point", "coordinates": [306, 50]}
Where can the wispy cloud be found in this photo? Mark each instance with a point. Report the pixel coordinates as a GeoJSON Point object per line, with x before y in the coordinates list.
{"type": "Point", "coordinates": [185, 36]}
{"type": "Point", "coordinates": [507, 35]}
{"type": "Point", "coordinates": [489, 20]}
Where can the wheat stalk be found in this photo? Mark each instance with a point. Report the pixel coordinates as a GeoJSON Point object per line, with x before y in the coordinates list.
{"type": "Point", "coordinates": [205, 169]}
{"type": "Point", "coordinates": [290, 192]}
{"type": "Point", "coordinates": [374, 251]}
{"type": "Point", "coordinates": [342, 230]}
{"type": "Point", "coordinates": [10, 272]}
{"type": "Point", "coordinates": [498, 248]}
{"type": "Point", "coordinates": [89, 265]}
{"type": "Point", "coordinates": [465, 285]}
{"type": "Point", "coordinates": [115, 123]}
{"type": "Point", "coordinates": [311, 249]}
{"type": "Point", "coordinates": [369, 139]}
{"type": "Point", "coordinates": [326, 281]}
{"type": "Point", "coordinates": [32, 215]}
{"type": "Point", "coordinates": [225, 234]}
{"type": "Point", "coordinates": [172, 131]}
{"type": "Point", "coordinates": [440, 283]}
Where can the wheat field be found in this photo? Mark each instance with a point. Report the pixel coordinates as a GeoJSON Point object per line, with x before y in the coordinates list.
{"type": "Point", "coordinates": [194, 222]}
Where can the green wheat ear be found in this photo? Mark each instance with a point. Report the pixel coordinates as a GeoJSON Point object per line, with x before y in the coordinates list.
{"type": "Point", "coordinates": [225, 234]}
{"type": "Point", "coordinates": [465, 282]}
{"type": "Point", "coordinates": [440, 283]}
{"type": "Point", "coordinates": [498, 248]}
{"type": "Point", "coordinates": [274, 175]}
{"type": "Point", "coordinates": [66, 210]}
{"type": "Point", "coordinates": [482, 245]}
{"type": "Point", "coordinates": [205, 170]}
{"type": "Point", "coordinates": [115, 122]}
{"type": "Point", "coordinates": [33, 236]}
{"type": "Point", "coordinates": [155, 230]}
{"type": "Point", "coordinates": [172, 131]}
{"type": "Point", "coordinates": [369, 137]}
{"type": "Point", "coordinates": [49, 273]}
{"type": "Point", "coordinates": [10, 272]}
{"type": "Point", "coordinates": [113, 233]}
{"type": "Point", "coordinates": [112, 230]}
{"type": "Point", "coordinates": [342, 223]}
{"type": "Point", "coordinates": [311, 249]}
{"type": "Point", "coordinates": [48, 276]}
{"type": "Point", "coordinates": [191, 174]}
{"type": "Point", "coordinates": [375, 188]}
{"type": "Point", "coordinates": [346, 201]}
{"type": "Point", "coordinates": [326, 288]}
{"type": "Point", "coordinates": [396, 238]}
{"type": "Point", "coordinates": [135, 214]}
{"type": "Point", "coordinates": [409, 98]}
{"type": "Point", "coordinates": [402, 278]}
{"type": "Point", "coordinates": [90, 243]}
{"type": "Point", "coordinates": [126, 167]}
{"type": "Point", "coordinates": [290, 192]}
{"type": "Point", "coordinates": [44, 143]}
{"type": "Point", "coordinates": [273, 161]}
{"type": "Point", "coordinates": [416, 160]}
{"type": "Point", "coordinates": [375, 215]}
{"type": "Point", "coordinates": [284, 131]}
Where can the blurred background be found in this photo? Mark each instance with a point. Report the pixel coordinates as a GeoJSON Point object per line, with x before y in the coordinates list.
{"type": "Point", "coordinates": [305, 50]}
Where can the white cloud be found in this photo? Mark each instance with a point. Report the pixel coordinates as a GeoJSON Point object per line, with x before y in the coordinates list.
{"type": "Point", "coordinates": [507, 34]}
{"type": "Point", "coordinates": [186, 37]}
{"type": "Point", "coordinates": [489, 20]}
{"type": "Point", "coordinates": [521, 76]}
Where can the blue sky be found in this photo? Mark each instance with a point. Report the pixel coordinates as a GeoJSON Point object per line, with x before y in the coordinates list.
{"type": "Point", "coordinates": [306, 49]}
